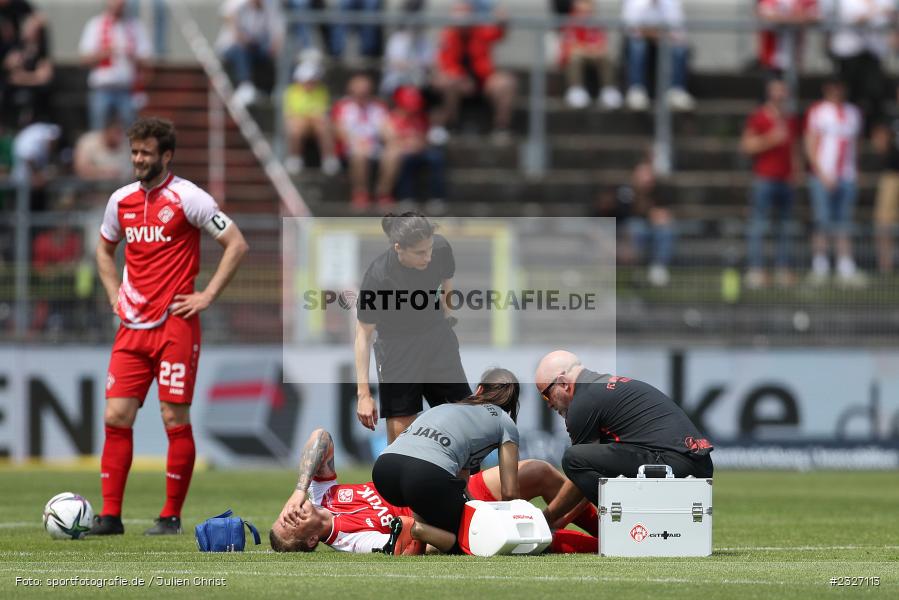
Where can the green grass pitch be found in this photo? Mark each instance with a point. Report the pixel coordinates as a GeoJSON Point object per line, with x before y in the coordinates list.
{"type": "Point", "coordinates": [776, 535]}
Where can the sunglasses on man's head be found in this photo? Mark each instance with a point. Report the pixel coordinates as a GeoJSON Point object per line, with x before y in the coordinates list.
{"type": "Point", "coordinates": [545, 392]}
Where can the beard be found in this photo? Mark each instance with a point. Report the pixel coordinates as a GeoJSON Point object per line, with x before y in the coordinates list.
{"type": "Point", "coordinates": [153, 171]}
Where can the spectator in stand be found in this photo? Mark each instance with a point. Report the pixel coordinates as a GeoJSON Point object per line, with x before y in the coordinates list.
{"type": "Point", "coordinates": [465, 68]}
{"type": "Point", "coordinates": [771, 138]}
{"type": "Point", "coordinates": [159, 14]}
{"type": "Point", "coordinates": [6, 154]}
{"type": "Point", "coordinates": [55, 255]}
{"type": "Point", "coordinates": [8, 38]}
{"type": "Point", "coordinates": [832, 129]}
{"type": "Point", "coordinates": [28, 72]}
{"type": "Point", "coordinates": [561, 8]}
{"type": "Point", "coordinates": [7, 197]}
{"type": "Point", "coordinates": [371, 37]}
{"type": "Point", "coordinates": [646, 21]}
{"type": "Point", "coordinates": [300, 31]}
{"type": "Point", "coordinates": [886, 208]}
{"type": "Point", "coordinates": [34, 149]}
{"type": "Point", "coordinates": [360, 120]}
{"type": "Point", "coordinates": [483, 8]}
{"type": "Point", "coordinates": [252, 35]}
{"type": "Point", "coordinates": [408, 60]}
{"type": "Point", "coordinates": [650, 226]}
{"type": "Point", "coordinates": [581, 46]}
{"type": "Point", "coordinates": [104, 155]}
{"type": "Point", "coordinates": [116, 48]}
{"type": "Point", "coordinates": [406, 137]}
{"type": "Point", "coordinates": [780, 47]}
{"type": "Point", "coordinates": [12, 14]}
{"type": "Point", "coordinates": [409, 54]}
{"type": "Point", "coordinates": [859, 47]}
{"type": "Point", "coordinates": [613, 203]}
{"type": "Point", "coordinates": [306, 104]}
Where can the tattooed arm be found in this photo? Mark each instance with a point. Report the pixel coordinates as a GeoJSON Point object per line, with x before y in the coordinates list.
{"type": "Point", "coordinates": [317, 460]}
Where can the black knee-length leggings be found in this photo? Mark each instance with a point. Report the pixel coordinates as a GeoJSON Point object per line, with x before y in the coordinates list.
{"type": "Point", "coordinates": [433, 493]}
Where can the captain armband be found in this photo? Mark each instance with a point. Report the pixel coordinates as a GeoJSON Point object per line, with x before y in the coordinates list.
{"type": "Point", "coordinates": [217, 225]}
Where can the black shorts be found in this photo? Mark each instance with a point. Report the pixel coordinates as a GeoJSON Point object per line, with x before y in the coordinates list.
{"type": "Point", "coordinates": [405, 399]}
{"type": "Point", "coordinates": [413, 367]}
{"type": "Point", "coordinates": [584, 464]}
{"type": "Point", "coordinates": [434, 494]}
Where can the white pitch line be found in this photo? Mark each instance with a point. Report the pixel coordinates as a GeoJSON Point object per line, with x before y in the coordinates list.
{"type": "Point", "coordinates": [804, 548]}
{"type": "Point", "coordinates": [36, 523]}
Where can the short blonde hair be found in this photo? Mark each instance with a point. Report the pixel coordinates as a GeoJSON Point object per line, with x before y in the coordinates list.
{"type": "Point", "coordinates": [281, 545]}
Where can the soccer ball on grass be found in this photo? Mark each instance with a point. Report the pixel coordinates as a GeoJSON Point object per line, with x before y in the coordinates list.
{"type": "Point", "coordinates": [67, 516]}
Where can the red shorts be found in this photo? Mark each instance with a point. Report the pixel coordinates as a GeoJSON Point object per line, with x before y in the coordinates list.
{"type": "Point", "coordinates": [478, 490]}
{"type": "Point", "coordinates": [168, 353]}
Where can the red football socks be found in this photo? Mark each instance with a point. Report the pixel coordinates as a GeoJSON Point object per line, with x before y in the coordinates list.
{"type": "Point", "coordinates": [114, 466]}
{"type": "Point", "coordinates": [566, 541]}
{"type": "Point", "coordinates": [588, 520]}
{"type": "Point", "coordinates": [179, 468]}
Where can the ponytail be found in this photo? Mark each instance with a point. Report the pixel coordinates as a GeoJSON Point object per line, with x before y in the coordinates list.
{"type": "Point", "coordinates": [406, 229]}
{"type": "Point", "coordinates": [499, 387]}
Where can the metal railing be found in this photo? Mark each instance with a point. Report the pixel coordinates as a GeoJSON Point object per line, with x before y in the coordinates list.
{"type": "Point", "coordinates": [706, 301]}
{"type": "Point", "coordinates": [64, 302]}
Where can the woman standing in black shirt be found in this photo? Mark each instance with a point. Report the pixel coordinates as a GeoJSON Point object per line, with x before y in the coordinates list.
{"type": "Point", "coordinates": [27, 74]}
{"type": "Point", "coordinates": [416, 350]}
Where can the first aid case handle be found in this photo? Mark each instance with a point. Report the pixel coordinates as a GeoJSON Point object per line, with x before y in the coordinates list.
{"type": "Point", "coordinates": [655, 471]}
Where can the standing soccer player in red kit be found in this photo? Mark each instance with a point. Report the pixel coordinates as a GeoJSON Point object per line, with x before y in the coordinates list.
{"type": "Point", "coordinates": [159, 217]}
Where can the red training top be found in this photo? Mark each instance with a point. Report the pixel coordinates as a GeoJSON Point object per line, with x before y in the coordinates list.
{"type": "Point", "coordinates": [777, 162]}
{"type": "Point", "coordinates": [467, 51]}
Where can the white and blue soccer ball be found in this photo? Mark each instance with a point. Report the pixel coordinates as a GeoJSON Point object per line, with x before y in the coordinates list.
{"type": "Point", "coordinates": [67, 516]}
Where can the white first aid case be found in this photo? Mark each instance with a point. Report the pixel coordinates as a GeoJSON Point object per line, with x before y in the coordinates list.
{"type": "Point", "coordinates": [497, 528]}
{"type": "Point", "coordinates": [655, 516]}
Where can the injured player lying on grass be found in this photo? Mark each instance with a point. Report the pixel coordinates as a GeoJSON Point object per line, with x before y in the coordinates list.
{"type": "Point", "coordinates": [354, 518]}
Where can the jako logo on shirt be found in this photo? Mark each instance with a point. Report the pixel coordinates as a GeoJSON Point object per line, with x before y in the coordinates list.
{"type": "Point", "coordinates": [433, 434]}
{"type": "Point", "coordinates": [146, 233]}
